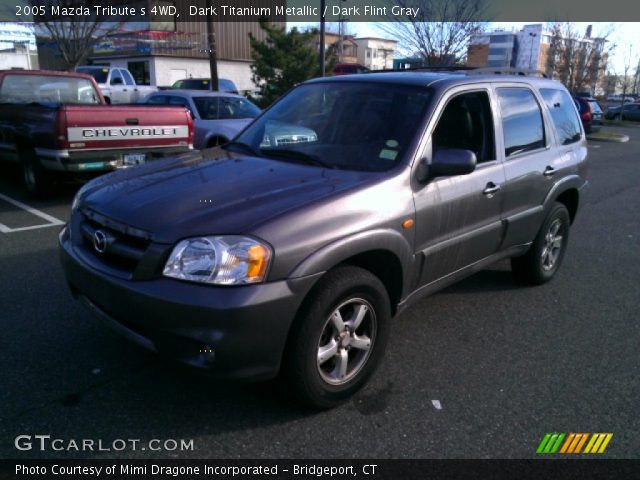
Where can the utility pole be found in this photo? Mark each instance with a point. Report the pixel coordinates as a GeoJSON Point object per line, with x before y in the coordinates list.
{"type": "Point", "coordinates": [322, 65]}
{"type": "Point", "coordinates": [211, 40]}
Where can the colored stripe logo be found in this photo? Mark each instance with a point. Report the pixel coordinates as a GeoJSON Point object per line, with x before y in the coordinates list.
{"type": "Point", "coordinates": [573, 443]}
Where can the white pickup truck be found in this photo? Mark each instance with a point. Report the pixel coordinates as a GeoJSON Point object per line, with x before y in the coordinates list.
{"type": "Point", "coordinates": [117, 84]}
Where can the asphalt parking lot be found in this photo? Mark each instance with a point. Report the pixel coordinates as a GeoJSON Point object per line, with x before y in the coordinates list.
{"type": "Point", "coordinates": [505, 364]}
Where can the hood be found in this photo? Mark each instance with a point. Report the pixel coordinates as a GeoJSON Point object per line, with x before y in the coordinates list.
{"type": "Point", "coordinates": [212, 192]}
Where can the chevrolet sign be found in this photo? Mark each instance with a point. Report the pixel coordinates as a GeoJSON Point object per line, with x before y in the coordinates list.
{"type": "Point", "coordinates": [76, 134]}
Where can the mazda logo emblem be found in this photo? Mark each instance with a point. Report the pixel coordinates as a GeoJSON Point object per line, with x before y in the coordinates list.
{"type": "Point", "coordinates": [100, 241]}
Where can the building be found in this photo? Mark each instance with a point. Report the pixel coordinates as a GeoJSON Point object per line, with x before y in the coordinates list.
{"type": "Point", "coordinates": [493, 49]}
{"type": "Point", "coordinates": [534, 48]}
{"type": "Point", "coordinates": [376, 53]}
{"type": "Point", "coordinates": [345, 46]}
{"type": "Point", "coordinates": [159, 51]}
{"type": "Point", "coordinates": [17, 47]}
{"type": "Point", "coordinates": [162, 57]}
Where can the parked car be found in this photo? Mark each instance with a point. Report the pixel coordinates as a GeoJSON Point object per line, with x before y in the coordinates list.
{"type": "Point", "coordinates": [349, 68]}
{"type": "Point", "coordinates": [630, 112]}
{"type": "Point", "coordinates": [217, 116]}
{"type": "Point", "coordinates": [590, 113]}
{"type": "Point", "coordinates": [224, 85]}
{"type": "Point", "coordinates": [254, 260]}
{"type": "Point", "coordinates": [618, 98]}
{"type": "Point", "coordinates": [117, 84]}
{"type": "Point", "coordinates": [57, 122]}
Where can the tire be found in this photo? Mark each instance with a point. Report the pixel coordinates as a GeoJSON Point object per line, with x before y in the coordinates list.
{"type": "Point", "coordinates": [37, 180]}
{"type": "Point", "coordinates": [542, 261]}
{"type": "Point", "coordinates": [326, 359]}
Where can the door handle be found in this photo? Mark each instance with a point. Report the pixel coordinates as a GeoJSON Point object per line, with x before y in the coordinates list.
{"type": "Point", "coordinates": [549, 172]}
{"type": "Point", "coordinates": [491, 189]}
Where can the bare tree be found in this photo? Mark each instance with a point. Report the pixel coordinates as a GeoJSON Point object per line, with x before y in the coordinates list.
{"type": "Point", "coordinates": [440, 33]}
{"type": "Point", "coordinates": [75, 38]}
{"type": "Point", "coordinates": [577, 60]}
{"type": "Point", "coordinates": [626, 81]}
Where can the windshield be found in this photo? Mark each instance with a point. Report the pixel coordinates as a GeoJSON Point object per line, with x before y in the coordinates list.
{"type": "Point", "coordinates": [220, 108]}
{"type": "Point", "coordinates": [47, 89]}
{"type": "Point", "coordinates": [100, 74]}
{"type": "Point", "coordinates": [350, 125]}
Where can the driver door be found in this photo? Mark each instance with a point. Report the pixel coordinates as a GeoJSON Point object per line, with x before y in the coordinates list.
{"type": "Point", "coordinates": [458, 218]}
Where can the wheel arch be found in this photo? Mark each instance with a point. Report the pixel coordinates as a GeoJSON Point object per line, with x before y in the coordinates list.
{"type": "Point", "coordinates": [384, 253]}
{"type": "Point", "coordinates": [566, 192]}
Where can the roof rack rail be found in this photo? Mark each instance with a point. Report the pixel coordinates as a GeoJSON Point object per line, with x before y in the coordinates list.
{"type": "Point", "coordinates": [506, 71]}
{"type": "Point", "coordinates": [464, 69]}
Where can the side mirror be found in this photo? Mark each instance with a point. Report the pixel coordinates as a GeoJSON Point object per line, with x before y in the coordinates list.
{"type": "Point", "coordinates": [117, 81]}
{"type": "Point", "coordinates": [447, 162]}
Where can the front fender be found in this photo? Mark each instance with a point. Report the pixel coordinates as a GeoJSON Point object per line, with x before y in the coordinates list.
{"type": "Point", "coordinates": [341, 250]}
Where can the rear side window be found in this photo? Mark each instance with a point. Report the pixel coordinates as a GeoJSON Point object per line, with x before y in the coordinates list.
{"type": "Point", "coordinates": [522, 124]}
{"type": "Point", "coordinates": [563, 115]}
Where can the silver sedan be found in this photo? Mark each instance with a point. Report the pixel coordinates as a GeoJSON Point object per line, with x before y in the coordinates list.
{"type": "Point", "coordinates": [217, 116]}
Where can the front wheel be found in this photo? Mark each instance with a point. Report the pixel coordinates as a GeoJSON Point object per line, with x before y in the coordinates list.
{"type": "Point", "coordinates": [338, 339]}
{"type": "Point", "coordinates": [543, 259]}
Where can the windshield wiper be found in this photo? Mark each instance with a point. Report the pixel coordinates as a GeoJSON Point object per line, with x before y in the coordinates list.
{"type": "Point", "coordinates": [295, 155]}
{"type": "Point", "coordinates": [244, 146]}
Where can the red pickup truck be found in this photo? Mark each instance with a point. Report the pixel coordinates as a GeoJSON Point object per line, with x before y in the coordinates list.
{"type": "Point", "coordinates": [56, 122]}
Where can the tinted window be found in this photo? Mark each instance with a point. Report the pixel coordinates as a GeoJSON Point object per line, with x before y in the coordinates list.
{"type": "Point", "coordinates": [116, 78]}
{"type": "Point", "coordinates": [128, 79]}
{"type": "Point", "coordinates": [100, 74]}
{"type": "Point", "coordinates": [521, 121]}
{"type": "Point", "coordinates": [563, 115]}
{"type": "Point", "coordinates": [192, 84]}
{"type": "Point", "coordinates": [466, 123]}
{"type": "Point", "coordinates": [498, 51]}
{"type": "Point", "coordinates": [212, 108]}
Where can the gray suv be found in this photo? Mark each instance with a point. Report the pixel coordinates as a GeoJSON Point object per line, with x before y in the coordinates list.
{"type": "Point", "coordinates": [289, 251]}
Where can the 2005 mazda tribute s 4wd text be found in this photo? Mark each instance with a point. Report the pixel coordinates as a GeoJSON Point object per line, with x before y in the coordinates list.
{"type": "Point", "coordinates": [289, 250]}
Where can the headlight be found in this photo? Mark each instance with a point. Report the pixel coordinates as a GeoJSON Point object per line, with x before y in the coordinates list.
{"type": "Point", "coordinates": [223, 260]}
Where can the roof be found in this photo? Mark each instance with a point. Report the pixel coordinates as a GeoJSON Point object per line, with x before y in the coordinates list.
{"type": "Point", "coordinates": [443, 78]}
{"type": "Point", "coordinates": [376, 38]}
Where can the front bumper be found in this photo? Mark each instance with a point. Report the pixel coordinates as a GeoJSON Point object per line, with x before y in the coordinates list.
{"type": "Point", "coordinates": [232, 332]}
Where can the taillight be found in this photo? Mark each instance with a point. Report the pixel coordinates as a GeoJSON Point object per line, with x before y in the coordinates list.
{"type": "Point", "coordinates": [191, 131]}
{"type": "Point", "coordinates": [61, 130]}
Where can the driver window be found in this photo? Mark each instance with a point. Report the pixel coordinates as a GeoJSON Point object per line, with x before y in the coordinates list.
{"type": "Point", "coordinates": [466, 123]}
{"type": "Point", "coordinates": [116, 78]}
